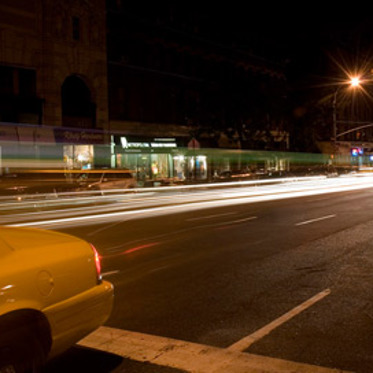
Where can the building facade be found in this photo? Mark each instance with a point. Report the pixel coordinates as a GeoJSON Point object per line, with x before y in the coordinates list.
{"type": "Point", "coordinates": [89, 83]}
{"type": "Point", "coordinates": [53, 75]}
{"type": "Point", "coordinates": [169, 80]}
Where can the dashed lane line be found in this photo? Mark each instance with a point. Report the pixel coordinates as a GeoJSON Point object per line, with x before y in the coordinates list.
{"type": "Point", "coordinates": [211, 216]}
{"type": "Point", "coordinates": [315, 220]}
{"type": "Point", "coordinates": [191, 357]}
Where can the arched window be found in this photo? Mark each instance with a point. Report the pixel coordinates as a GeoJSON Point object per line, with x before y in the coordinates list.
{"type": "Point", "coordinates": [78, 110]}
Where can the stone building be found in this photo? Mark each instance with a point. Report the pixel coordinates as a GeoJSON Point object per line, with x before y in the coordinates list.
{"type": "Point", "coordinates": [53, 76]}
{"type": "Point", "coordinates": [175, 90]}
{"type": "Point", "coordinates": [89, 83]}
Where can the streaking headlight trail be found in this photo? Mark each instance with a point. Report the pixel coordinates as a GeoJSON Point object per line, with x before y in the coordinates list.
{"type": "Point", "coordinates": [151, 206]}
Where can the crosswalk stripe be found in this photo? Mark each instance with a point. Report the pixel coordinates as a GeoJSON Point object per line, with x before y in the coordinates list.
{"type": "Point", "coordinates": [188, 356]}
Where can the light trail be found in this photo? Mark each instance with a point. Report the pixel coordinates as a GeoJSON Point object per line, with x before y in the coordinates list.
{"type": "Point", "coordinates": [203, 200]}
{"type": "Point", "coordinates": [129, 251]}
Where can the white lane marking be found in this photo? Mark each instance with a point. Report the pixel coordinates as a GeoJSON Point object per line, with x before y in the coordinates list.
{"type": "Point", "coordinates": [246, 342]}
{"type": "Point", "coordinates": [106, 227]}
{"type": "Point", "coordinates": [191, 357]}
{"type": "Point", "coordinates": [158, 269]}
{"type": "Point", "coordinates": [315, 220]}
{"type": "Point", "coordinates": [105, 274]}
{"type": "Point", "coordinates": [242, 220]}
{"type": "Point", "coordinates": [227, 223]}
{"type": "Point", "coordinates": [211, 216]}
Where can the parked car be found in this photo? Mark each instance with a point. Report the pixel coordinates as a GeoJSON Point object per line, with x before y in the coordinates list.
{"type": "Point", "coordinates": [233, 175]}
{"type": "Point", "coordinates": [51, 295]}
{"type": "Point", "coordinates": [107, 180]}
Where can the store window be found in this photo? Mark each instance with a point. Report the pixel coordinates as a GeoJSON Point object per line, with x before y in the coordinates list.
{"type": "Point", "coordinates": [179, 167]}
{"type": "Point", "coordinates": [78, 157]}
{"type": "Point", "coordinates": [160, 166]}
{"type": "Point", "coordinates": [197, 167]}
{"type": "Point", "coordinates": [147, 166]}
{"type": "Point", "coordinates": [140, 164]}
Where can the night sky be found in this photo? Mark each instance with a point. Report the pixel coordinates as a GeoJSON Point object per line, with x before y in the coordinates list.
{"type": "Point", "coordinates": [305, 36]}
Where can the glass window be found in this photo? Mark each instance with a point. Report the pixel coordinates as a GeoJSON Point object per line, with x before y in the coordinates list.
{"type": "Point", "coordinates": [78, 156]}
{"type": "Point", "coordinates": [76, 28]}
{"type": "Point", "coordinates": [6, 80]}
{"type": "Point", "coordinates": [27, 82]}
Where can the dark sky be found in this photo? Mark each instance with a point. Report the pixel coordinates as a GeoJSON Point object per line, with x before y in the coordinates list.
{"type": "Point", "coordinates": [307, 35]}
{"type": "Point", "coordinates": [312, 38]}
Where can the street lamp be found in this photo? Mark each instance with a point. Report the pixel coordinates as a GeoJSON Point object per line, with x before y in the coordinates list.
{"type": "Point", "coordinates": [353, 82]}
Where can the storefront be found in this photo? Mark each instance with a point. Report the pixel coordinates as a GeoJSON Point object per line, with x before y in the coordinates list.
{"type": "Point", "coordinates": [150, 159]}
{"type": "Point", "coordinates": [159, 160]}
{"type": "Point", "coordinates": [31, 146]}
{"type": "Point", "coordinates": [83, 149]}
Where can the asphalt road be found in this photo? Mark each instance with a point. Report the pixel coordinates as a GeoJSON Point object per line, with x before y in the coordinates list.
{"type": "Point", "coordinates": [295, 275]}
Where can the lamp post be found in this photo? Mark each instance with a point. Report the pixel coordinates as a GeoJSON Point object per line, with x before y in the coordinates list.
{"type": "Point", "coordinates": [334, 138]}
{"type": "Point", "coordinates": [353, 83]}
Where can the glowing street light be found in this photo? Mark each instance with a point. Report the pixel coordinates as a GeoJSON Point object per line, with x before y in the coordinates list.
{"type": "Point", "coordinates": [354, 82]}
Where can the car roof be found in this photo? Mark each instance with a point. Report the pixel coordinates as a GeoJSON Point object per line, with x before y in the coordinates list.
{"type": "Point", "coordinates": [16, 238]}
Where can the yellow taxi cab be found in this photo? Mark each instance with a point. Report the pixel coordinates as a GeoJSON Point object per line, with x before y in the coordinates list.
{"type": "Point", "coordinates": [51, 295]}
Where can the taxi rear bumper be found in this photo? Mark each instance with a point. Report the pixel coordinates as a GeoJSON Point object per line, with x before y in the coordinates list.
{"type": "Point", "coordinates": [76, 317]}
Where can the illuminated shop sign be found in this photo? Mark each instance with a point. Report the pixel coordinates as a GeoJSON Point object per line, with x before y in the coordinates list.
{"type": "Point", "coordinates": [357, 151]}
{"type": "Point", "coordinates": [163, 145]}
{"type": "Point", "coordinates": [157, 143]}
{"type": "Point", "coordinates": [78, 137]}
{"type": "Point", "coordinates": [138, 145]}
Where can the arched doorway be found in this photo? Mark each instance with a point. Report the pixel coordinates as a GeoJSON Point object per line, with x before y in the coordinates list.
{"type": "Point", "coordinates": [78, 110]}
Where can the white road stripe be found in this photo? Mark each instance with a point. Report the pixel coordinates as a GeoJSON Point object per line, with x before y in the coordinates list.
{"type": "Point", "coordinates": [246, 342]}
{"type": "Point", "coordinates": [211, 216]}
{"type": "Point", "coordinates": [242, 220]}
{"type": "Point", "coordinates": [231, 222]}
{"type": "Point", "coordinates": [191, 357]}
{"type": "Point", "coordinates": [315, 220]}
{"type": "Point", "coordinates": [159, 269]}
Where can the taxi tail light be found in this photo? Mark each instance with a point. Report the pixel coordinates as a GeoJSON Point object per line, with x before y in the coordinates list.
{"type": "Point", "coordinates": [97, 263]}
